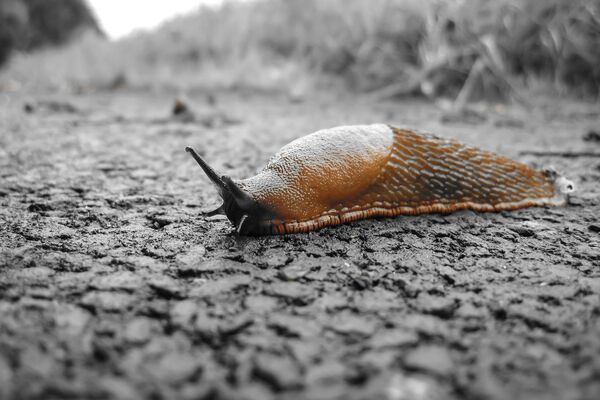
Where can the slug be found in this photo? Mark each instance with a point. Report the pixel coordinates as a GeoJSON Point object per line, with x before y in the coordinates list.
{"type": "Point", "coordinates": [350, 173]}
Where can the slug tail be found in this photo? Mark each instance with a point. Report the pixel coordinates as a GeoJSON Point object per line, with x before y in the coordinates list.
{"type": "Point", "coordinates": [563, 187]}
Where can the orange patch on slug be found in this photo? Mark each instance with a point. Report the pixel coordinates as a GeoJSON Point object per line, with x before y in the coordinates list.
{"type": "Point", "coordinates": [314, 174]}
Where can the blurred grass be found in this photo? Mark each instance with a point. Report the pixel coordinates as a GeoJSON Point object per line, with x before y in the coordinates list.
{"type": "Point", "coordinates": [463, 49]}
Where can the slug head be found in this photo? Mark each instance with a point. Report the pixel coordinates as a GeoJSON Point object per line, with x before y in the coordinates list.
{"type": "Point", "coordinates": [245, 213]}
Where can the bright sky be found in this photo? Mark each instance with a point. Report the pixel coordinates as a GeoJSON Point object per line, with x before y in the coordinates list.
{"type": "Point", "coordinates": [119, 18]}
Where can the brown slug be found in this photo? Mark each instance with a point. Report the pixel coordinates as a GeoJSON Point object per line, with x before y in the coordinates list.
{"type": "Point", "coordinates": [349, 173]}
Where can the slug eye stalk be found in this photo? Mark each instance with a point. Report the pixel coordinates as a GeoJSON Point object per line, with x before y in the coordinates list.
{"type": "Point", "coordinates": [212, 175]}
{"type": "Point", "coordinates": [239, 207]}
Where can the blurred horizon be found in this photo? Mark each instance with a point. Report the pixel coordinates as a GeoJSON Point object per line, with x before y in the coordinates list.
{"type": "Point", "coordinates": [464, 50]}
{"type": "Point", "coordinates": [119, 19]}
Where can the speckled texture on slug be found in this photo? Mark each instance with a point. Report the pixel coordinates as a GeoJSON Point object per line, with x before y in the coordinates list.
{"type": "Point", "coordinates": [355, 172]}
{"type": "Point", "coordinates": [315, 173]}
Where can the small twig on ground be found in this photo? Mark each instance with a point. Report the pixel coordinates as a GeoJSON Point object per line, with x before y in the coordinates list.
{"type": "Point", "coordinates": [493, 60]}
{"type": "Point", "coordinates": [402, 88]}
{"type": "Point", "coordinates": [467, 90]}
{"type": "Point", "coordinates": [417, 77]}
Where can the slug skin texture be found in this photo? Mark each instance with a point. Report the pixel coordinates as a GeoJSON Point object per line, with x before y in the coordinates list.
{"type": "Point", "coordinates": [349, 173]}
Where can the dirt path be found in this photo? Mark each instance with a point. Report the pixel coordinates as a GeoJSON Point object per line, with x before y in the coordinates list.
{"type": "Point", "coordinates": [114, 285]}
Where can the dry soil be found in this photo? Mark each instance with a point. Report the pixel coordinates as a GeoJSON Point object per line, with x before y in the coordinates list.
{"type": "Point", "coordinates": [114, 284]}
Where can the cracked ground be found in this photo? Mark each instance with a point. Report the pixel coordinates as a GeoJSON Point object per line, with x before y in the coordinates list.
{"type": "Point", "coordinates": [114, 284]}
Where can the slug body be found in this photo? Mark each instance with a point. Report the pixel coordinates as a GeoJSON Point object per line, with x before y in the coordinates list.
{"type": "Point", "coordinates": [355, 172]}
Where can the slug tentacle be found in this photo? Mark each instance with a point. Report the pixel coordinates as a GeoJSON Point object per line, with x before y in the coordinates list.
{"type": "Point", "coordinates": [212, 175]}
{"type": "Point", "coordinates": [238, 205]}
{"type": "Point", "coordinates": [217, 211]}
{"type": "Point", "coordinates": [349, 173]}
{"type": "Point", "coordinates": [240, 226]}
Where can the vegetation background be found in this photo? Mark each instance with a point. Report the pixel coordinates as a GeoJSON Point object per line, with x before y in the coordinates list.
{"type": "Point", "coordinates": [463, 49]}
